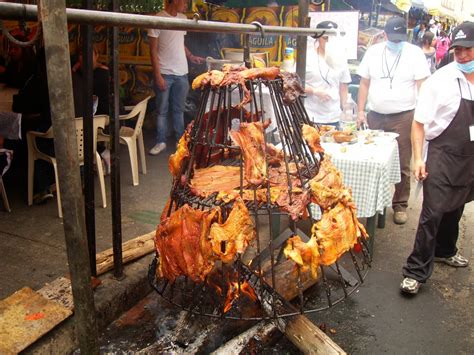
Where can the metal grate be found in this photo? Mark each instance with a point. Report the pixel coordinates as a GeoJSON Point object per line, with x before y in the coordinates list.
{"type": "Point", "coordinates": [260, 266]}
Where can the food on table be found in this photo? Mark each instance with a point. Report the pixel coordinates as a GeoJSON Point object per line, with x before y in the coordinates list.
{"type": "Point", "coordinates": [182, 244]}
{"type": "Point", "coordinates": [303, 254]}
{"type": "Point", "coordinates": [251, 141]}
{"type": "Point", "coordinates": [313, 138]}
{"type": "Point", "coordinates": [326, 128]}
{"type": "Point", "coordinates": [178, 159]}
{"type": "Point", "coordinates": [343, 137]}
{"type": "Point", "coordinates": [234, 235]}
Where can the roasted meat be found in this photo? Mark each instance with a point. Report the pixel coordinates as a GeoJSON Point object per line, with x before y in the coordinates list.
{"type": "Point", "coordinates": [178, 159]}
{"type": "Point", "coordinates": [312, 137]}
{"type": "Point", "coordinates": [213, 77]}
{"type": "Point", "coordinates": [250, 139]}
{"type": "Point", "coordinates": [215, 179]}
{"type": "Point", "coordinates": [182, 244]}
{"type": "Point", "coordinates": [292, 88]}
{"type": "Point", "coordinates": [297, 206]}
{"type": "Point", "coordinates": [303, 254]}
{"type": "Point", "coordinates": [234, 235]}
{"type": "Point", "coordinates": [337, 232]}
{"type": "Point", "coordinates": [326, 187]}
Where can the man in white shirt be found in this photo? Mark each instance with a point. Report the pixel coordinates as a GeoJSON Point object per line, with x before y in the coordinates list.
{"type": "Point", "coordinates": [170, 72]}
{"type": "Point", "coordinates": [444, 119]}
{"type": "Point", "coordinates": [326, 81]}
{"type": "Point", "coordinates": [391, 73]}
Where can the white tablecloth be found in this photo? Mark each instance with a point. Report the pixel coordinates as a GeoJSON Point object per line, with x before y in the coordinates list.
{"type": "Point", "coordinates": [370, 170]}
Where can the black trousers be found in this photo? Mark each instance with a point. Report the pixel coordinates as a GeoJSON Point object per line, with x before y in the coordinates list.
{"type": "Point", "coordinates": [436, 236]}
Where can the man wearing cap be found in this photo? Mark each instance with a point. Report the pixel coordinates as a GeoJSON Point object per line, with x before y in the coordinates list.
{"type": "Point", "coordinates": [444, 119]}
{"type": "Point", "coordinates": [391, 74]}
{"type": "Point", "coordinates": [327, 77]}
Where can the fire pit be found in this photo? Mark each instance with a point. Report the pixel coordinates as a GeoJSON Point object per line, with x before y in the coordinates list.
{"type": "Point", "coordinates": [238, 231]}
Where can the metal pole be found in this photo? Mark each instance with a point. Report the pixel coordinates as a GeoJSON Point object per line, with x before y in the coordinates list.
{"type": "Point", "coordinates": [301, 42]}
{"type": "Point", "coordinates": [115, 146]}
{"type": "Point", "coordinates": [87, 77]}
{"type": "Point", "coordinates": [62, 115]}
{"type": "Point", "coordinates": [28, 12]}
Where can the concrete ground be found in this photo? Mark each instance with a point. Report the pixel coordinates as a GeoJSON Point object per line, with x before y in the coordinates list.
{"type": "Point", "coordinates": [376, 319]}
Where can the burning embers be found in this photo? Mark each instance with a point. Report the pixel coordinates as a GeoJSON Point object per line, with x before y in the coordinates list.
{"type": "Point", "coordinates": [234, 184]}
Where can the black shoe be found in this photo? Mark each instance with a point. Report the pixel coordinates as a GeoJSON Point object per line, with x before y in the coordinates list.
{"type": "Point", "coordinates": [42, 198]}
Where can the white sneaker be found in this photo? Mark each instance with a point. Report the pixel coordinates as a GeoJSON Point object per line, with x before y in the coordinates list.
{"type": "Point", "coordinates": [157, 149]}
{"type": "Point", "coordinates": [410, 285]}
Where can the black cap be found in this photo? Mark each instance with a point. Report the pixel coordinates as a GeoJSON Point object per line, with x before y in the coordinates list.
{"type": "Point", "coordinates": [463, 35]}
{"type": "Point", "coordinates": [325, 25]}
{"type": "Point", "coordinates": [396, 29]}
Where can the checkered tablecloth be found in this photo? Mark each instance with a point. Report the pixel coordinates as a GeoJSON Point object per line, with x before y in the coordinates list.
{"type": "Point", "coordinates": [370, 170]}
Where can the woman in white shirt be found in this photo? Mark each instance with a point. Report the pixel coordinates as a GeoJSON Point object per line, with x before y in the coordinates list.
{"type": "Point", "coordinates": [327, 78]}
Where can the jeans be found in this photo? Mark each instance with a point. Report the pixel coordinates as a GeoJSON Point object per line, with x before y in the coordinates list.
{"type": "Point", "coordinates": [172, 98]}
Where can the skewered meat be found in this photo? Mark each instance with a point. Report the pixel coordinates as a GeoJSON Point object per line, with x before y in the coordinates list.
{"type": "Point", "coordinates": [250, 139]}
{"type": "Point", "coordinates": [274, 155]}
{"type": "Point", "coordinates": [297, 207]}
{"type": "Point", "coordinates": [214, 179]}
{"type": "Point", "coordinates": [234, 235]}
{"type": "Point", "coordinates": [303, 254]}
{"type": "Point", "coordinates": [248, 195]}
{"type": "Point", "coordinates": [182, 244]}
{"type": "Point", "coordinates": [337, 232]}
{"type": "Point", "coordinates": [213, 77]}
{"type": "Point", "coordinates": [312, 137]}
{"type": "Point", "coordinates": [178, 159]}
{"type": "Point", "coordinates": [260, 73]}
{"type": "Point", "coordinates": [326, 187]}
{"type": "Point", "coordinates": [292, 88]}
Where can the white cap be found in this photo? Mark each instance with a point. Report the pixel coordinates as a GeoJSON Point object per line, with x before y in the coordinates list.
{"type": "Point", "coordinates": [432, 22]}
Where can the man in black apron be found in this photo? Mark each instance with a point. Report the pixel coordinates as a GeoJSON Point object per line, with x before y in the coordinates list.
{"type": "Point", "coordinates": [445, 118]}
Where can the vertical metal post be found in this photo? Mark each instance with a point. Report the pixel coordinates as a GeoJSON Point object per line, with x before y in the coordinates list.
{"type": "Point", "coordinates": [87, 72]}
{"type": "Point", "coordinates": [115, 155]}
{"type": "Point", "coordinates": [370, 12]}
{"type": "Point", "coordinates": [247, 50]}
{"type": "Point", "coordinates": [301, 41]}
{"type": "Point", "coordinates": [53, 14]}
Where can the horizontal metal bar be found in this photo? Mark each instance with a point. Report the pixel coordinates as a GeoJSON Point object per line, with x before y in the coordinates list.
{"type": "Point", "coordinates": [13, 11]}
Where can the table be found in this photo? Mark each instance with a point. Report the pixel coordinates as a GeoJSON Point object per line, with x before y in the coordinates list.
{"type": "Point", "coordinates": [370, 170]}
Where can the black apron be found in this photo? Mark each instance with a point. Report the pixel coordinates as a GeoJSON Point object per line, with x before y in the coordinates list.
{"type": "Point", "coordinates": [450, 163]}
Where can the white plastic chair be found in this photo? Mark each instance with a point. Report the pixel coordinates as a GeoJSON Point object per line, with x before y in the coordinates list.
{"type": "Point", "coordinates": [133, 138]}
{"type": "Point", "coordinates": [34, 154]}
{"type": "Point", "coordinates": [3, 192]}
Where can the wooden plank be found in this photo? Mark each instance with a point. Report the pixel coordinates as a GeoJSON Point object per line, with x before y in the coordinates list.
{"type": "Point", "coordinates": [131, 250]}
{"type": "Point", "coordinates": [25, 316]}
{"type": "Point", "coordinates": [309, 338]}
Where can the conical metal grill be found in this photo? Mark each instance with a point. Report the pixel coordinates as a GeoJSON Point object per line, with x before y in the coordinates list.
{"type": "Point", "coordinates": [259, 280]}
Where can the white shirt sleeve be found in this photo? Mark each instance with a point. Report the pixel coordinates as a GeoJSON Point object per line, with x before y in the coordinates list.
{"type": "Point", "coordinates": [345, 76]}
{"type": "Point", "coordinates": [364, 65]}
{"type": "Point", "coordinates": [153, 32]}
{"type": "Point", "coordinates": [426, 108]}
